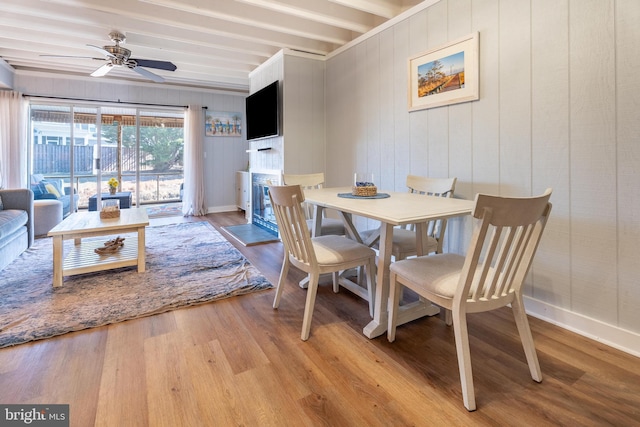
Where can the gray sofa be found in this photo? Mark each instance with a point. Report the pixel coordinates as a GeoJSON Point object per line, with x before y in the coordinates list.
{"type": "Point", "coordinates": [53, 189]}
{"type": "Point", "coordinates": [16, 224]}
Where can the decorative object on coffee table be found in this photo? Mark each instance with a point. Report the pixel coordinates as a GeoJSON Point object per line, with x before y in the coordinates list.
{"type": "Point", "coordinates": [110, 246]}
{"type": "Point", "coordinates": [110, 209]}
{"type": "Point", "coordinates": [363, 185]}
{"type": "Point", "coordinates": [113, 185]}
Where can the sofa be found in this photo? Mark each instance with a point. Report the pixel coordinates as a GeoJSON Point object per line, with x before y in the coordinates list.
{"type": "Point", "coordinates": [16, 224]}
{"type": "Point", "coordinates": [52, 189]}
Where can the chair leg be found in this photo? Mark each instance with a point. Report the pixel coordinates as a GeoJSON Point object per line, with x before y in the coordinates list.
{"type": "Point", "coordinates": [464, 358]}
{"type": "Point", "coordinates": [447, 317]}
{"type": "Point", "coordinates": [304, 283]}
{"type": "Point", "coordinates": [283, 277]}
{"type": "Point", "coordinates": [312, 290]}
{"type": "Point", "coordinates": [336, 285]}
{"type": "Point", "coordinates": [369, 271]}
{"type": "Point", "coordinates": [522, 323]}
{"type": "Point", "coordinates": [395, 296]}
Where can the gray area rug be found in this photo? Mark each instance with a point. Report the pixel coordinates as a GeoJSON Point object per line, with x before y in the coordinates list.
{"type": "Point", "coordinates": [187, 264]}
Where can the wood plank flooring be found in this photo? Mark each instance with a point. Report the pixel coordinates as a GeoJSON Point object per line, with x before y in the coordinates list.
{"type": "Point", "coordinates": [238, 362]}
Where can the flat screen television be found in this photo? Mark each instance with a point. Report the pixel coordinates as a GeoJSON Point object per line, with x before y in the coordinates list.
{"type": "Point", "coordinates": [262, 112]}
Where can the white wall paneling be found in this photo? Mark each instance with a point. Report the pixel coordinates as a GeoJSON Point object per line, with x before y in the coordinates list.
{"type": "Point", "coordinates": [628, 158]}
{"type": "Point", "coordinates": [593, 159]}
{"type": "Point", "coordinates": [303, 115]}
{"type": "Point", "coordinates": [300, 148]}
{"type": "Point", "coordinates": [558, 108]}
{"type": "Point", "coordinates": [550, 146]}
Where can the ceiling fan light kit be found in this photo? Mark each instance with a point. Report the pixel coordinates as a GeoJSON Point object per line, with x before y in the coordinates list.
{"type": "Point", "coordinates": [118, 56]}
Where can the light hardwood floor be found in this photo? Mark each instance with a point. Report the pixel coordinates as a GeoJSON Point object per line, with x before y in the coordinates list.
{"type": "Point", "coordinates": [238, 362]}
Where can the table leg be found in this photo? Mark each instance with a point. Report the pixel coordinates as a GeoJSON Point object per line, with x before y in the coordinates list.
{"type": "Point", "coordinates": [378, 325]}
{"type": "Point", "coordinates": [317, 221]}
{"type": "Point", "coordinates": [141, 250]}
{"type": "Point", "coordinates": [57, 261]}
{"type": "Point", "coordinates": [406, 312]}
{"type": "Point", "coordinates": [350, 229]}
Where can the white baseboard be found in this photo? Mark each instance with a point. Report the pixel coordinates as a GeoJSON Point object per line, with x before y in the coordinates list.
{"type": "Point", "coordinates": [217, 209]}
{"type": "Point", "coordinates": [610, 335]}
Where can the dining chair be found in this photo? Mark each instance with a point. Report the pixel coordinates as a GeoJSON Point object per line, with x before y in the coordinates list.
{"type": "Point", "coordinates": [504, 241]}
{"type": "Point", "coordinates": [313, 181]}
{"type": "Point", "coordinates": [404, 238]}
{"type": "Point", "coordinates": [317, 255]}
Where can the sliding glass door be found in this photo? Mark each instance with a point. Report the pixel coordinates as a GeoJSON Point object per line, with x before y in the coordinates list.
{"type": "Point", "coordinates": [141, 148]}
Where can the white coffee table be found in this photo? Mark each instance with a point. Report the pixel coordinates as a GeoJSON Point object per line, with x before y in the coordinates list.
{"type": "Point", "coordinates": [82, 257]}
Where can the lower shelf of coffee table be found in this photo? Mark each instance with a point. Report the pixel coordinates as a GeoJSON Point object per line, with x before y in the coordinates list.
{"type": "Point", "coordinates": [83, 259]}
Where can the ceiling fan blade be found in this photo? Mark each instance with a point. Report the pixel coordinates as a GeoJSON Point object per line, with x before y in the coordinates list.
{"type": "Point", "coordinates": [102, 70]}
{"type": "Point", "coordinates": [102, 51]}
{"type": "Point", "coordinates": [148, 74]}
{"type": "Point", "coordinates": [160, 65]}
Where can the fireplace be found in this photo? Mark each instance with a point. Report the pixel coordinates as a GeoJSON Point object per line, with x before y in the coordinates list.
{"type": "Point", "coordinates": [262, 214]}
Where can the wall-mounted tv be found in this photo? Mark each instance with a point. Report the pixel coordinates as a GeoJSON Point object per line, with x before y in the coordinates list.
{"type": "Point", "coordinates": [262, 112]}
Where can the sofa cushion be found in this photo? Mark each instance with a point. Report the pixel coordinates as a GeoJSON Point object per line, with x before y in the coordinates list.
{"type": "Point", "coordinates": [51, 189]}
{"type": "Point", "coordinates": [38, 190]}
{"type": "Point", "coordinates": [11, 220]}
{"type": "Point", "coordinates": [1, 205]}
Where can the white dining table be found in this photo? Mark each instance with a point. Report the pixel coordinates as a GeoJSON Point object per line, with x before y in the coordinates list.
{"type": "Point", "coordinates": [399, 208]}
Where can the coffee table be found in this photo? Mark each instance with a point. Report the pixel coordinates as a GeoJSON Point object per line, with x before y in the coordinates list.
{"type": "Point", "coordinates": [82, 257]}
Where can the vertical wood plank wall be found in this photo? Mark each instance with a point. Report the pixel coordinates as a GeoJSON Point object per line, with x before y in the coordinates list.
{"type": "Point", "coordinates": [559, 99]}
{"type": "Point", "coordinates": [627, 36]}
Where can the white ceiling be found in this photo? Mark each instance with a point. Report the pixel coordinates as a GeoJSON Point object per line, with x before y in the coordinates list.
{"type": "Point", "coordinates": [213, 43]}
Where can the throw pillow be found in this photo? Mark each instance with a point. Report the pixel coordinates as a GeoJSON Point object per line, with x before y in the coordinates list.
{"type": "Point", "coordinates": [38, 191]}
{"type": "Point", "coordinates": [53, 190]}
{"type": "Point", "coordinates": [1, 205]}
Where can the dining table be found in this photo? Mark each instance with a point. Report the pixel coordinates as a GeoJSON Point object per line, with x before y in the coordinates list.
{"type": "Point", "coordinates": [391, 209]}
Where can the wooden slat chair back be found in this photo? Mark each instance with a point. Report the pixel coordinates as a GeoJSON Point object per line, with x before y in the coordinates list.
{"type": "Point", "coordinates": [505, 239]}
{"type": "Point", "coordinates": [314, 181]}
{"type": "Point", "coordinates": [440, 187]}
{"type": "Point", "coordinates": [404, 238]}
{"type": "Point", "coordinates": [317, 255]}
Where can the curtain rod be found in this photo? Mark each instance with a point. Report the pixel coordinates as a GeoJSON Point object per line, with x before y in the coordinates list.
{"type": "Point", "coordinates": [108, 102]}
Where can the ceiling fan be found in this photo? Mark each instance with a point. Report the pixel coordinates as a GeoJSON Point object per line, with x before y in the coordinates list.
{"type": "Point", "coordinates": [118, 56]}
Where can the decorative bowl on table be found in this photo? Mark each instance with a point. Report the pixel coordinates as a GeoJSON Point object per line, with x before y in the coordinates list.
{"type": "Point", "coordinates": [363, 185]}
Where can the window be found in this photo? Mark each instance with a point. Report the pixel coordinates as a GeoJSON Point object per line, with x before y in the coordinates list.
{"type": "Point", "coordinates": [151, 168]}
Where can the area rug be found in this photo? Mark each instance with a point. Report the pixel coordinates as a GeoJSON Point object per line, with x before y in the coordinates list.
{"type": "Point", "coordinates": [186, 264]}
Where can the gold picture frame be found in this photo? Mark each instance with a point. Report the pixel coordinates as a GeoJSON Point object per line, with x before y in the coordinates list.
{"type": "Point", "coordinates": [446, 75]}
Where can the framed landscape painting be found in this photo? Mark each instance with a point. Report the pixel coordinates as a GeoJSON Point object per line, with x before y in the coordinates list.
{"type": "Point", "coordinates": [223, 124]}
{"type": "Point", "coordinates": [445, 75]}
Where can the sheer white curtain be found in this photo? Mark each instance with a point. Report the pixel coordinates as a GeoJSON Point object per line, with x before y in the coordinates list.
{"type": "Point", "coordinates": [193, 202]}
{"type": "Point", "coordinates": [13, 139]}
